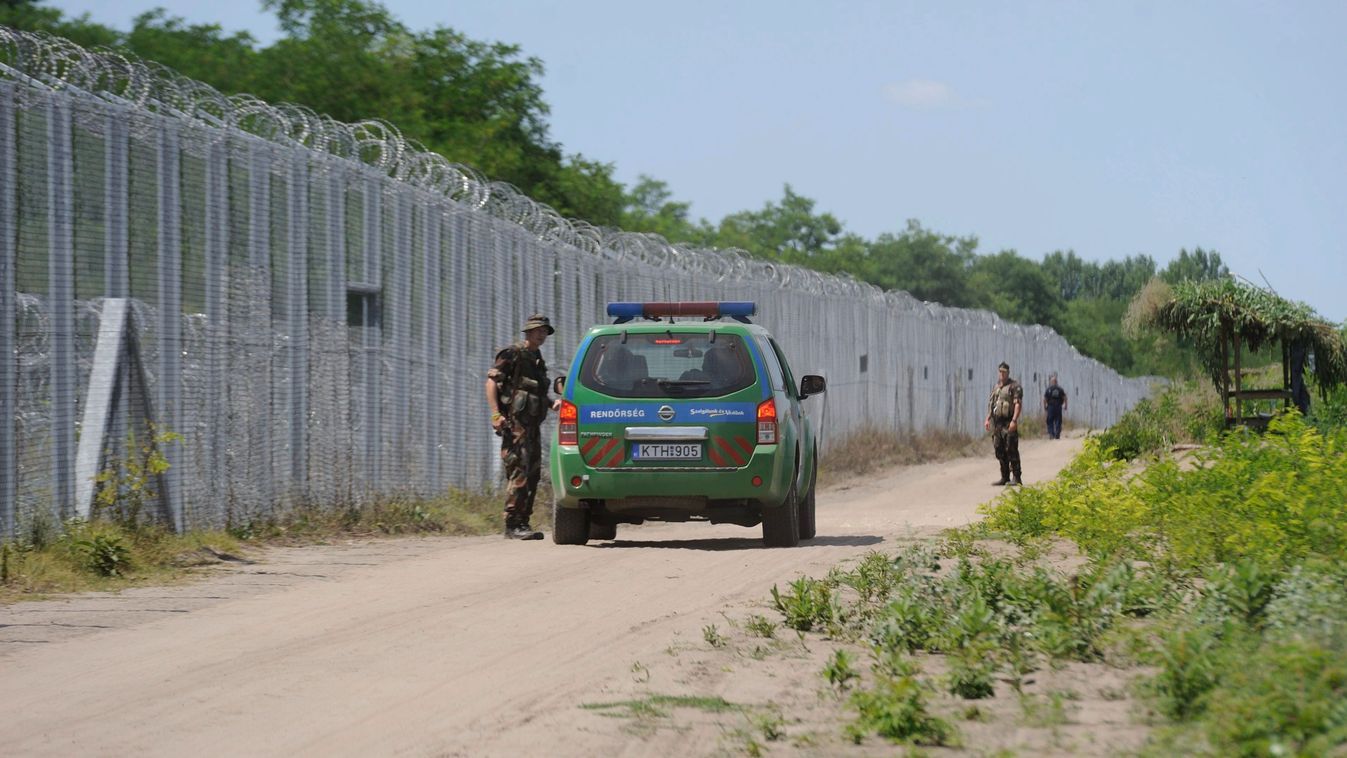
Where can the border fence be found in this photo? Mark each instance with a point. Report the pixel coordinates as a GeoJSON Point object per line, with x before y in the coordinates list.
{"type": "Point", "coordinates": [294, 310]}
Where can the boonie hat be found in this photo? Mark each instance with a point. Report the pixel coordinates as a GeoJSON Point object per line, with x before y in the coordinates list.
{"type": "Point", "coordinates": [537, 320]}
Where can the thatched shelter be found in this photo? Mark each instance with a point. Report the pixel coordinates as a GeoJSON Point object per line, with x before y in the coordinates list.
{"type": "Point", "coordinates": [1223, 318]}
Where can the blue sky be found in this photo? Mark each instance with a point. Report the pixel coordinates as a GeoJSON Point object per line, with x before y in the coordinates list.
{"type": "Point", "coordinates": [1108, 128]}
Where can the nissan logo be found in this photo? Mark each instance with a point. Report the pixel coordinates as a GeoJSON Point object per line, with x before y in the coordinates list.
{"type": "Point", "coordinates": [666, 413]}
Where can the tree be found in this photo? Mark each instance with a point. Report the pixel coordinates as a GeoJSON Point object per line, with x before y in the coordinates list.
{"type": "Point", "coordinates": [198, 51]}
{"type": "Point", "coordinates": [1018, 289]}
{"type": "Point", "coordinates": [650, 207]}
{"type": "Point", "coordinates": [789, 232]}
{"type": "Point", "coordinates": [1068, 270]}
{"type": "Point", "coordinates": [1119, 280]}
{"type": "Point", "coordinates": [927, 265]}
{"type": "Point", "coordinates": [585, 189]}
{"type": "Point", "coordinates": [1198, 266]}
{"type": "Point", "coordinates": [30, 16]}
{"type": "Point", "coordinates": [1092, 326]}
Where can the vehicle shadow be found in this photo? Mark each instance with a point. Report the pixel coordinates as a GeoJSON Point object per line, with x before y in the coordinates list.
{"type": "Point", "coordinates": [742, 543]}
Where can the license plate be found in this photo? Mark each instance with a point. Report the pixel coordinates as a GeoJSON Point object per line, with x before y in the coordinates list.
{"type": "Point", "coordinates": [666, 451]}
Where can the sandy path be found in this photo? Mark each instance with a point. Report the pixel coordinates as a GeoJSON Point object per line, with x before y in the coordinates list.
{"type": "Point", "coordinates": [448, 646]}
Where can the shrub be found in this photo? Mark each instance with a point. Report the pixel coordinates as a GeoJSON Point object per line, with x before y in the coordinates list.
{"type": "Point", "coordinates": [1189, 669]}
{"type": "Point", "coordinates": [895, 708]}
{"type": "Point", "coordinates": [1309, 603]}
{"type": "Point", "coordinates": [839, 672]}
{"type": "Point", "coordinates": [99, 550]}
{"type": "Point", "coordinates": [1285, 699]}
{"type": "Point", "coordinates": [809, 604]}
{"type": "Point", "coordinates": [1275, 499]}
{"type": "Point", "coordinates": [1182, 412]}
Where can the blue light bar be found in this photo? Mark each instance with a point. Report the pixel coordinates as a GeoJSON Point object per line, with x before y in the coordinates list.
{"type": "Point", "coordinates": [626, 311]}
{"type": "Point", "coordinates": [738, 310]}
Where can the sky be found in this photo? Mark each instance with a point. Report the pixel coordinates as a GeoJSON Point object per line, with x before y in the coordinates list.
{"type": "Point", "coordinates": [1107, 128]}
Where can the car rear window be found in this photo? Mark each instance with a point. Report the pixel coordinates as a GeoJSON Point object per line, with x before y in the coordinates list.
{"type": "Point", "coordinates": [667, 364]}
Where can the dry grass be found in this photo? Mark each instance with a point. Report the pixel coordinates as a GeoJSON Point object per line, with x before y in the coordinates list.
{"type": "Point", "coordinates": [67, 564]}
{"type": "Point", "coordinates": [105, 555]}
{"type": "Point", "coordinates": [455, 512]}
{"type": "Point", "coordinates": [872, 448]}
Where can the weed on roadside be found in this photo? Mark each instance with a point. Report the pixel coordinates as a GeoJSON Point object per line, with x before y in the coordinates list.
{"type": "Point", "coordinates": [840, 672]}
{"type": "Point", "coordinates": [713, 636]}
{"type": "Point", "coordinates": [896, 708]}
{"type": "Point", "coordinates": [808, 604]}
{"type": "Point", "coordinates": [658, 706]}
{"type": "Point", "coordinates": [760, 626]}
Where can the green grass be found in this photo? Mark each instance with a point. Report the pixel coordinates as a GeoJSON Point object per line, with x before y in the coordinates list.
{"type": "Point", "coordinates": [658, 706]}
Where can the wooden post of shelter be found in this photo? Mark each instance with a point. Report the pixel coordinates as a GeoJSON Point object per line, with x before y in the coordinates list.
{"type": "Point", "coordinates": [1232, 348]}
{"type": "Point", "coordinates": [1225, 371]}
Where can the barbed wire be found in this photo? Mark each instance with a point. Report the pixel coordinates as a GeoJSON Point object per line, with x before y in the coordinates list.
{"type": "Point", "coordinates": [59, 64]}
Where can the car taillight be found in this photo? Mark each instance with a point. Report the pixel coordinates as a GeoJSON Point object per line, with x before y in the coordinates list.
{"type": "Point", "coordinates": [567, 430]}
{"type": "Point", "coordinates": [767, 422]}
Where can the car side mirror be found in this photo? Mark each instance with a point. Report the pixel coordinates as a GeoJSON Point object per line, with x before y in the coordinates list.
{"type": "Point", "coordinates": [558, 385]}
{"type": "Point", "coordinates": [812, 384]}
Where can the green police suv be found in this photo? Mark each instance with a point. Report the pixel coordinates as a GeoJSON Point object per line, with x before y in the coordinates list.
{"type": "Point", "coordinates": [677, 420]}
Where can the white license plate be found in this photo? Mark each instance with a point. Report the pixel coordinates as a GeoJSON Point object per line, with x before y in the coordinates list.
{"type": "Point", "coordinates": [666, 451]}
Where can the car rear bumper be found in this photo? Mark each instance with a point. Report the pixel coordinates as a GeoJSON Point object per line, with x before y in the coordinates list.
{"type": "Point", "coordinates": [697, 485]}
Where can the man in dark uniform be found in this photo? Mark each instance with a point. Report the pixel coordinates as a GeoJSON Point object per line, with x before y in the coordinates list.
{"type": "Point", "coordinates": [517, 394]}
{"type": "Point", "coordinates": [1054, 403]}
{"type": "Point", "coordinates": [1003, 421]}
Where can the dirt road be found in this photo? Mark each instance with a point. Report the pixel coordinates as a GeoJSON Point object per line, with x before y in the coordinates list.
{"type": "Point", "coordinates": [448, 646]}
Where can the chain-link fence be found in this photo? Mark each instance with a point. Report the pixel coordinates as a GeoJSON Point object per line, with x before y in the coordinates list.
{"type": "Point", "coordinates": [312, 305]}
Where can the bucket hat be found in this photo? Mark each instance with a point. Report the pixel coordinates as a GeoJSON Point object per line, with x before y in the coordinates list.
{"type": "Point", "coordinates": [537, 320]}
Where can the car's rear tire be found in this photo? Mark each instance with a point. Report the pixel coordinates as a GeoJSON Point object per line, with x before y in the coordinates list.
{"type": "Point", "coordinates": [602, 531]}
{"type": "Point", "coordinates": [781, 525]}
{"type": "Point", "coordinates": [570, 526]}
{"type": "Point", "coordinates": [807, 523]}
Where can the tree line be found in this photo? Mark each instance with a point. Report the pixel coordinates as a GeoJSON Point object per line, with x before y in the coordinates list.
{"type": "Point", "coordinates": [481, 104]}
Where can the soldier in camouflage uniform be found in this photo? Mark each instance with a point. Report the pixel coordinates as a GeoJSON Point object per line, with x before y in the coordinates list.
{"type": "Point", "coordinates": [1003, 421]}
{"type": "Point", "coordinates": [517, 394]}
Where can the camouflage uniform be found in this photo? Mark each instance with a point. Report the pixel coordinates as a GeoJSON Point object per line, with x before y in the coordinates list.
{"type": "Point", "coordinates": [1001, 409]}
{"type": "Point", "coordinates": [520, 375]}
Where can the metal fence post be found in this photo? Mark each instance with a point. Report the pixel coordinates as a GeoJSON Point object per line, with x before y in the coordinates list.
{"type": "Point", "coordinates": [168, 390]}
{"type": "Point", "coordinates": [9, 363]}
{"type": "Point", "coordinates": [61, 290]}
{"type": "Point", "coordinates": [371, 338]}
{"type": "Point", "coordinates": [115, 192]}
{"type": "Point", "coordinates": [116, 261]}
{"type": "Point", "coordinates": [335, 207]}
{"type": "Point", "coordinates": [431, 350]}
{"type": "Point", "coordinates": [400, 312]}
{"type": "Point", "coordinates": [259, 264]}
{"type": "Point", "coordinates": [217, 313]}
{"type": "Point", "coordinates": [297, 303]}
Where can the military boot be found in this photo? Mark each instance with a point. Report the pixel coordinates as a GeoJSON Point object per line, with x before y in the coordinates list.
{"type": "Point", "coordinates": [1016, 480]}
{"type": "Point", "coordinates": [518, 529]}
{"type": "Point", "coordinates": [1005, 475]}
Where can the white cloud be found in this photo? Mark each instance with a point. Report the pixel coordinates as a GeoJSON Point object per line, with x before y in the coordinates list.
{"type": "Point", "coordinates": [921, 93]}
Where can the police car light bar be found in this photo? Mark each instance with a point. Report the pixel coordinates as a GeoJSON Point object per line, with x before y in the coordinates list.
{"type": "Point", "coordinates": [738, 310]}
